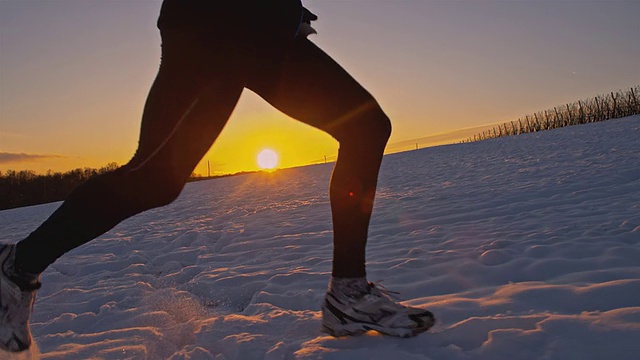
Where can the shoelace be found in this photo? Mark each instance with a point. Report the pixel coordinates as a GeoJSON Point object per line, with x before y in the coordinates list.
{"type": "Point", "coordinates": [383, 289]}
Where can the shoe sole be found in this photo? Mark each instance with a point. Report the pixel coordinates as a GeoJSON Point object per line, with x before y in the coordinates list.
{"type": "Point", "coordinates": [355, 329]}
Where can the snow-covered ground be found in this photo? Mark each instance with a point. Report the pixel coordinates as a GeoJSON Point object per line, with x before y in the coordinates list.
{"type": "Point", "coordinates": [525, 247]}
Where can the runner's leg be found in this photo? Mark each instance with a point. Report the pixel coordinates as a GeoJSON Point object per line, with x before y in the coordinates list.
{"type": "Point", "coordinates": [186, 109]}
{"type": "Point", "coordinates": [313, 88]}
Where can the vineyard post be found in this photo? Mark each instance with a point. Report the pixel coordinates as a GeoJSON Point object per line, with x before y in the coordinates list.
{"type": "Point", "coordinates": [558, 118]}
{"type": "Point", "coordinates": [635, 100]}
{"type": "Point", "coordinates": [547, 121]}
{"type": "Point", "coordinates": [520, 129]}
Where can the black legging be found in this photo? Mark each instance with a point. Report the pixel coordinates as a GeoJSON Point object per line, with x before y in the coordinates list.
{"type": "Point", "coordinates": [200, 79]}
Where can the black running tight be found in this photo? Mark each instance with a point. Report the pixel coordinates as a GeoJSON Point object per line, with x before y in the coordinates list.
{"type": "Point", "coordinates": [196, 89]}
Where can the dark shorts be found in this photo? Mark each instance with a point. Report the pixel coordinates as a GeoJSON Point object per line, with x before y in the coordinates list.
{"type": "Point", "coordinates": [237, 39]}
{"type": "Point", "coordinates": [262, 23]}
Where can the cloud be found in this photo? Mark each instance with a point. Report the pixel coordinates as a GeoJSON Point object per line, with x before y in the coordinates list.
{"type": "Point", "coordinates": [7, 158]}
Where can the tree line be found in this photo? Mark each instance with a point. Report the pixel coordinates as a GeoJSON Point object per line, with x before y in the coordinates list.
{"type": "Point", "coordinates": [25, 187]}
{"type": "Point", "coordinates": [600, 108]}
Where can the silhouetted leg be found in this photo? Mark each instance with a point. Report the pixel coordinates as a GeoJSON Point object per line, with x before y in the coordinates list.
{"type": "Point", "coordinates": [186, 109]}
{"type": "Point", "coordinates": [314, 89]}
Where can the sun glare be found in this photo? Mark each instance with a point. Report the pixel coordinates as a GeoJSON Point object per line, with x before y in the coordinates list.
{"type": "Point", "coordinates": [267, 159]}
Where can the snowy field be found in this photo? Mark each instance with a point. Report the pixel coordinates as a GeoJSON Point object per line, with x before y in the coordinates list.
{"type": "Point", "coordinates": [525, 247]}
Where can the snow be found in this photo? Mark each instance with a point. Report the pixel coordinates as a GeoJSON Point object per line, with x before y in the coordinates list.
{"type": "Point", "coordinates": [524, 247]}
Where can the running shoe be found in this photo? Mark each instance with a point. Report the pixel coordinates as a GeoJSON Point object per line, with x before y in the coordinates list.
{"type": "Point", "coordinates": [17, 294]}
{"type": "Point", "coordinates": [375, 310]}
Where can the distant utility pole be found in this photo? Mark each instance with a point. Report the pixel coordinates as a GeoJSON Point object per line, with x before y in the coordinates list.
{"type": "Point", "coordinates": [416, 146]}
{"type": "Point", "coordinates": [325, 159]}
{"type": "Point", "coordinates": [208, 169]}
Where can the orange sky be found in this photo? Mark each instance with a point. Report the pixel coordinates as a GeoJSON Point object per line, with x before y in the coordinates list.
{"type": "Point", "coordinates": [74, 75]}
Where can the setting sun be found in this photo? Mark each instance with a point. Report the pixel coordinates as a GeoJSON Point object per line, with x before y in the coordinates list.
{"type": "Point", "coordinates": [267, 159]}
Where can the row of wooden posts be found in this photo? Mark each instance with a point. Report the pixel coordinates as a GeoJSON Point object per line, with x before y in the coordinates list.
{"type": "Point", "coordinates": [600, 108]}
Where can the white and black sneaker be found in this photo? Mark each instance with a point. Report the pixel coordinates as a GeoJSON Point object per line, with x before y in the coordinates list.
{"type": "Point", "coordinates": [17, 294]}
{"type": "Point", "coordinates": [374, 310]}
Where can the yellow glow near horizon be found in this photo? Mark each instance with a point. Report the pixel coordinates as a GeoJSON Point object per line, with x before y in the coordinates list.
{"type": "Point", "coordinates": [267, 159]}
{"type": "Point", "coordinates": [255, 126]}
{"type": "Point", "coordinates": [96, 119]}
